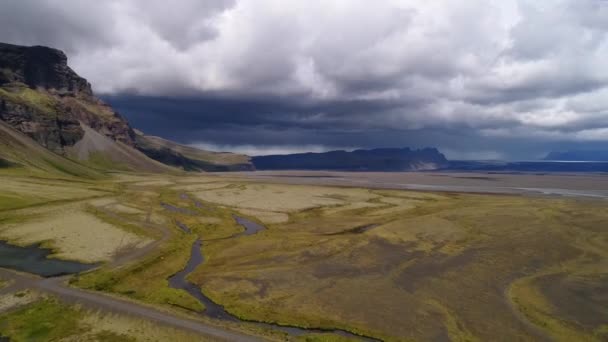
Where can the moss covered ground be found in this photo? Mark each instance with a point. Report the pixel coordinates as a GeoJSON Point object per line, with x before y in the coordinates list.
{"type": "Point", "coordinates": [47, 319]}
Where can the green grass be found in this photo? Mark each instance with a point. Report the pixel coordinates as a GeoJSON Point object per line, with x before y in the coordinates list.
{"type": "Point", "coordinates": [49, 319]}
{"type": "Point", "coordinates": [322, 338]}
{"type": "Point", "coordinates": [102, 161]}
{"type": "Point", "coordinates": [43, 103]}
{"type": "Point", "coordinates": [39, 322]}
{"type": "Point", "coordinates": [72, 168]}
{"type": "Point", "coordinates": [10, 201]}
{"type": "Point", "coordinates": [110, 336]}
{"type": "Point", "coordinates": [28, 159]}
{"type": "Point", "coordinates": [147, 280]}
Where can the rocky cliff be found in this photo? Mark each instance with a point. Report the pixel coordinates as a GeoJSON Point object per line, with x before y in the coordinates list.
{"type": "Point", "coordinates": [41, 96]}
{"type": "Point", "coordinates": [40, 66]}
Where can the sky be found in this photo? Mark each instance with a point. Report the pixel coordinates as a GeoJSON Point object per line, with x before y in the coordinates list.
{"type": "Point", "coordinates": [478, 79]}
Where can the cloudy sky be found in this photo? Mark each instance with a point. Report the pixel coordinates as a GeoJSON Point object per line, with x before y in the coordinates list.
{"type": "Point", "coordinates": [476, 78]}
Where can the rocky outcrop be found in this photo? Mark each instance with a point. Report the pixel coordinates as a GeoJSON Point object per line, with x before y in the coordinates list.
{"type": "Point", "coordinates": [52, 132]}
{"type": "Point", "coordinates": [381, 159]}
{"type": "Point", "coordinates": [40, 66]}
{"type": "Point", "coordinates": [41, 96]}
{"type": "Point", "coordinates": [189, 158]}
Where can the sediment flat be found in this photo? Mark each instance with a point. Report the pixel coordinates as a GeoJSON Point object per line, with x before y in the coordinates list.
{"type": "Point", "coordinates": [590, 185]}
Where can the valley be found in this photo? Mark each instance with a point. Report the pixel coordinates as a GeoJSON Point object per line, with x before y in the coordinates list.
{"type": "Point", "coordinates": [110, 234]}
{"type": "Point", "coordinates": [336, 262]}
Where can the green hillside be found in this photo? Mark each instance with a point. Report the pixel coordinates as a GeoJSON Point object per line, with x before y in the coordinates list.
{"type": "Point", "coordinates": [21, 154]}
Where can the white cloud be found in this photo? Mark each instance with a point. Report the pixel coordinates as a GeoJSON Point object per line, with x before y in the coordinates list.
{"type": "Point", "coordinates": [262, 150]}
{"type": "Point", "coordinates": [494, 65]}
{"type": "Point", "coordinates": [473, 155]}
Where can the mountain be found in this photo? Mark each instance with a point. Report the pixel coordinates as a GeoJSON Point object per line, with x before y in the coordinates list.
{"type": "Point", "coordinates": [23, 154]}
{"type": "Point", "coordinates": [381, 159]}
{"type": "Point", "coordinates": [540, 166]}
{"type": "Point", "coordinates": [579, 155]}
{"type": "Point", "coordinates": [43, 98]}
{"type": "Point", "coordinates": [190, 158]}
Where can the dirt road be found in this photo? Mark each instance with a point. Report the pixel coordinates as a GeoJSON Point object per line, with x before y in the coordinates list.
{"type": "Point", "coordinates": [94, 300]}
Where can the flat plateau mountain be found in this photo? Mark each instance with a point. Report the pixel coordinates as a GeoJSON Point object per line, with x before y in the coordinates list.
{"type": "Point", "coordinates": [380, 159]}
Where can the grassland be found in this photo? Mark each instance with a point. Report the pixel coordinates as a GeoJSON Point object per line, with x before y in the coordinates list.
{"type": "Point", "coordinates": [391, 264]}
{"type": "Point", "coordinates": [23, 157]}
{"type": "Point", "coordinates": [455, 266]}
{"type": "Point", "coordinates": [17, 299]}
{"type": "Point", "coordinates": [47, 319]}
{"type": "Point", "coordinates": [20, 93]}
{"type": "Point", "coordinates": [71, 232]}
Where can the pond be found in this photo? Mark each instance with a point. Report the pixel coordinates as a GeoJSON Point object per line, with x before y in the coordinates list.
{"type": "Point", "coordinates": [34, 259]}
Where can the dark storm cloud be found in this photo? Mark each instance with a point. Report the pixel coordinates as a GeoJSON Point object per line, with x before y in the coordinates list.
{"type": "Point", "coordinates": [219, 111]}
{"type": "Point", "coordinates": [467, 76]}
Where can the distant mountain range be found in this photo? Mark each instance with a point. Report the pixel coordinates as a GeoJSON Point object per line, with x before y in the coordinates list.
{"type": "Point", "coordinates": [380, 159]}
{"type": "Point", "coordinates": [539, 166]}
{"type": "Point", "coordinates": [579, 155]}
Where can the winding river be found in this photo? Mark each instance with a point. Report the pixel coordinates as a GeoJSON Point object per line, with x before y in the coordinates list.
{"type": "Point", "coordinates": [214, 310]}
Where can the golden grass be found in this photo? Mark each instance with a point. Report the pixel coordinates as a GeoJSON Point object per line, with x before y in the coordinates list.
{"type": "Point", "coordinates": [72, 233]}
{"type": "Point", "coordinates": [36, 191]}
{"type": "Point", "coordinates": [102, 202]}
{"type": "Point", "coordinates": [281, 198]}
{"type": "Point", "coordinates": [124, 209]}
{"type": "Point", "coordinates": [47, 319]}
{"type": "Point", "coordinates": [12, 300]}
{"type": "Point", "coordinates": [160, 182]}
{"type": "Point", "coordinates": [269, 217]}
{"type": "Point", "coordinates": [352, 206]}
{"type": "Point", "coordinates": [105, 324]}
{"type": "Point", "coordinates": [191, 187]}
{"type": "Point", "coordinates": [461, 267]}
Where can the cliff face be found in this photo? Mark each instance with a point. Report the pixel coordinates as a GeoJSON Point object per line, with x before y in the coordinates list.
{"type": "Point", "coordinates": [41, 96]}
{"type": "Point", "coordinates": [40, 66]}
{"type": "Point", "coordinates": [382, 159]}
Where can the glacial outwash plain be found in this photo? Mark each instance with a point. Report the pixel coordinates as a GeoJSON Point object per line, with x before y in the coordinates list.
{"type": "Point", "coordinates": [108, 234]}
{"type": "Point", "coordinates": [337, 261]}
